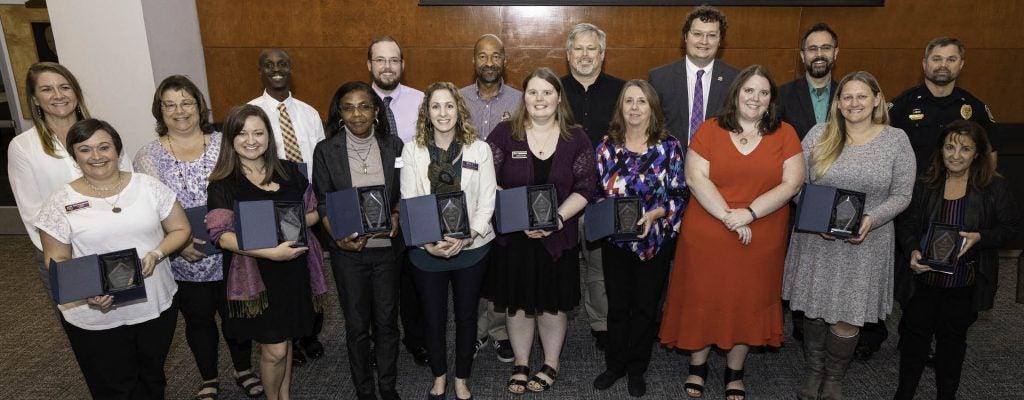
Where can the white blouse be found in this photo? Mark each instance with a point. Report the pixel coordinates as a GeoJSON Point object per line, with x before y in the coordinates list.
{"type": "Point", "coordinates": [92, 228]}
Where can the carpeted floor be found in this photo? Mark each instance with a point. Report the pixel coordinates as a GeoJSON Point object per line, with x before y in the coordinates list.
{"type": "Point", "coordinates": [36, 362]}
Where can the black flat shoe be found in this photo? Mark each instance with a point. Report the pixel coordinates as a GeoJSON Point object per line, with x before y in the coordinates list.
{"type": "Point", "coordinates": [606, 380]}
{"type": "Point", "coordinates": [419, 355]}
{"type": "Point", "coordinates": [636, 385]}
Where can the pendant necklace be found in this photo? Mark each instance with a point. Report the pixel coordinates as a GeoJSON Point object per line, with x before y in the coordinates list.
{"type": "Point", "coordinates": [362, 158]}
{"type": "Point", "coordinates": [546, 144]}
{"type": "Point", "coordinates": [182, 167]}
{"type": "Point", "coordinates": [113, 205]}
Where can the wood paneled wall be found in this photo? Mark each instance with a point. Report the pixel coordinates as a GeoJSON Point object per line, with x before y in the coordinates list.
{"type": "Point", "coordinates": [327, 40]}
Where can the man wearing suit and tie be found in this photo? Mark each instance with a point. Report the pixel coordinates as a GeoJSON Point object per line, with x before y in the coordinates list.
{"type": "Point", "coordinates": [693, 88]}
{"type": "Point", "coordinates": [805, 101]}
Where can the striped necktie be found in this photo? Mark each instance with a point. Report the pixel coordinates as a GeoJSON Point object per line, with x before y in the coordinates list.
{"type": "Point", "coordinates": [291, 144]}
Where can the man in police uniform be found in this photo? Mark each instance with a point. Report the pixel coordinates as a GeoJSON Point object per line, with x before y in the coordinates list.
{"type": "Point", "coordinates": [921, 112]}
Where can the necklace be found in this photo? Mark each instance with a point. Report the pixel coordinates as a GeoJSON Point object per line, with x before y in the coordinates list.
{"type": "Point", "coordinates": [361, 158]}
{"type": "Point", "coordinates": [184, 177]}
{"type": "Point", "coordinates": [540, 151]}
{"type": "Point", "coordinates": [113, 205]}
{"type": "Point", "coordinates": [743, 140]}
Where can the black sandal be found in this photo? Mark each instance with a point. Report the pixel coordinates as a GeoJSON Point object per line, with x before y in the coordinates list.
{"type": "Point", "coordinates": [254, 387]}
{"type": "Point", "coordinates": [215, 385]}
{"type": "Point", "coordinates": [513, 383]}
{"type": "Point", "coordinates": [540, 384]}
{"type": "Point", "coordinates": [700, 371]}
{"type": "Point", "coordinates": [732, 375]}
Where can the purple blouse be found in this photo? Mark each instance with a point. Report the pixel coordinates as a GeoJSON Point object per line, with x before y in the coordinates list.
{"type": "Point", "coordinates": [572, 171]}
{"type": "Point", "coordinates": [188, 180]}
{"type": "Point", "coordinates": [656, 177]}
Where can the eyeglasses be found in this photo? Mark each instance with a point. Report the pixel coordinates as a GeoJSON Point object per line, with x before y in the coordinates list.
{"type": "Point", "coordinates": [824, 49]}
{"type": "Point", "coordinates": [186, 105]}
{"type": "Point", "coordinates": [362, 107]}
{"type": "Point", "coordinates": [381, 61]}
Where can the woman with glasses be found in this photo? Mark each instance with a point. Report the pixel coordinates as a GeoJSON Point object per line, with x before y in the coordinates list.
{"type": "Point", "coordinates": [182, 157]}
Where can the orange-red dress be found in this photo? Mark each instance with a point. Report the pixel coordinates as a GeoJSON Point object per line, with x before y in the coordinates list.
{"type": "Point", "coordinates": [722, 292]}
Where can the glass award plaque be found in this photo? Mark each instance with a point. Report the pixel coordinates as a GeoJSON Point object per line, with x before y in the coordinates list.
{"type": "Point", "coordinates": [375, 210]}
{"type": "Point", "coordinates": [627, 214]}
{"type": "Point", "coordinates": [542, 205]}
{"type": "Point", "coordinates": [847, 212]}
{"type": "Point", "coordinates": [941, 247]}
{"type": "Point", "coordinates": [452, 213]}
{"type": "Point", "coordinates": [291, 222]}
{"type": "Point", "coordinates": [121, 271]}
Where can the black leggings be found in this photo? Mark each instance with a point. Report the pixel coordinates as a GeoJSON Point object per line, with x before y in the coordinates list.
{"type": "Point", "coordinates": [199, 301]}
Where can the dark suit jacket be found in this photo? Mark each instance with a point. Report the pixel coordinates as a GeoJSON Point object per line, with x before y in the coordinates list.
{"type": "Point", "coordinates": [670, 82]}
{"type": "Point", "coordinates": [331, 171]}
{"type": "Point", "coordinates": [795, 105]}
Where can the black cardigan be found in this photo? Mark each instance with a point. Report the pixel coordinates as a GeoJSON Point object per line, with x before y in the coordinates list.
{"type": "Point", "coordinates": [991, 211]}
{"type": "Point", "coordinates": [331, 171]}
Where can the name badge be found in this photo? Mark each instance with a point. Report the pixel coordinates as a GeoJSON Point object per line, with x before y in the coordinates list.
{"type": "Point", "coordinates": [470, 165]}
{"type": "Point", "coordinates": [77, 206]}
{"type": "Point", "coordinates": [916, 115]}
{"type": "Point", "coordinates": [399, 163]}
{"type": "Point", "coordinates": [519, 155]}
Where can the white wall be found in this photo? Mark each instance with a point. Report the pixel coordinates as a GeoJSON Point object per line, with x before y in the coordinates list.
{"type": "Point", "coordinates": [121, 49]}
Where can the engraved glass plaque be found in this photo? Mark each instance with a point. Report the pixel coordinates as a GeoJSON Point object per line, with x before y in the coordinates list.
{"type": "Point", "coordinates": [627, 214]}
{"type": "Point", "coordinates": [291, 222]}
{"type": "Point", "coordinates": [451, 208]}
{"type": "Point", "coordinates": [542, 206]}
{"type": "Point", "coordinates": [121, 270]}
{"type": "Point", "coordinates": [847, 212]}
{"type": "Point", "coordinates": [942, 246]}
{"type": "Point", "coordinates": [375, 211]}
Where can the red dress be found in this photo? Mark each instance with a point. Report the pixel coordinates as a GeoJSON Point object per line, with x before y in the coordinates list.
{"type": "Point", "coordinates": [722, 292]}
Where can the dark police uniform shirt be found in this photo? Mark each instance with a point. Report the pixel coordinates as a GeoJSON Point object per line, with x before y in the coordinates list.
{"type": "Point", "coordinates": [923, 115]}
{"type": "Point", "coordinates": [593, 107]}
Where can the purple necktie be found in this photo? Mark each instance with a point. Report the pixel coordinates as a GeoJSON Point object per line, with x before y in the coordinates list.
{"type": "Point", "coordinates": [697, 112]}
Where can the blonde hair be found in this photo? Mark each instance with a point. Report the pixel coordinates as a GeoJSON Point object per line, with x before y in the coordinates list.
{"type": "Point", "coordinates": [465, 132]}
{"type": "Point", "coordinates": [828, 148]}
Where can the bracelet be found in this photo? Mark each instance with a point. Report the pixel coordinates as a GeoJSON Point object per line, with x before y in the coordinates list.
{"type": "Point", "coordinates": [752, 213]}
{"type": "Point", "coordinates": [560, 219]}
{"type": "Point", "coordinates": [159, 254]}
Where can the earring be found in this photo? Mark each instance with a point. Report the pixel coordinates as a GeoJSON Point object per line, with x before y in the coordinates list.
{"type": "Point", "coordinates": [79, 113]}
{"type": "Point", "coordinates": [39, 110]}
{"type": "Point", "coordinates": [375, 121]}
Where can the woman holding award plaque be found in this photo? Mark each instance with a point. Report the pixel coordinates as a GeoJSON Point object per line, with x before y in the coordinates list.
{"type": "Point", "coordinates": [535, 274]}
{"type": "Point", "coordinates": [361, 152]}
{"type": "Point", "coordinates": [182, 157]}
{"type": "Point", "coordinates": [271, 292]}
{"type": "Point", "coordinates": [962, 189]}
{"type": "Point", "coordinates": [448, 156]}
{"type": "Point", "coordinates": [742, 168]}
{"type": "Point", "coordinates": [840, 284]}
{"type": "Point", "coordinates": [638, 158]}
{"type": "Point", "coordinates": [120, 348]}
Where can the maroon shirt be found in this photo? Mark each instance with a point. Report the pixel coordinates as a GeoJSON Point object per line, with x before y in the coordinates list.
{"type": "Point", "coordinates": [572, 171]}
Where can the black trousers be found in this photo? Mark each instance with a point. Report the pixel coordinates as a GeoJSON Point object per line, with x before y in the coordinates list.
{"type": "Point", "coordinates": [634, 290]}
{"type": "Point", "coordinates": [413, 324]}
{"type": "Point", "coordinates": [126, 362]}
{"type": "Point", "coordinates": [433, 291]}
{"type": "Point", "coordinates": [199, 301]}
{"type": "Point", "coordinates": [368, 290]}
{"type": "Point", "coordinates": [945, 314]}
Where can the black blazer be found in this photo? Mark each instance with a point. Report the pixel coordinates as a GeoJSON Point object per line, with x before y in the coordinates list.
{"type": "Point", "coordinates": [331, 170]}
{"type": "Point", "coordinates": [670, 82]}
{"type": "Point", "coordinates": [991, 211]}
{"type": "Point", "coordinates": [795, 105]}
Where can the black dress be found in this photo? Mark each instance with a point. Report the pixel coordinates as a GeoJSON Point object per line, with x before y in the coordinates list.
{"type": "Point", "coordinates": [524, 276]}
{"type": "Point", "coordinates": [289, 312]}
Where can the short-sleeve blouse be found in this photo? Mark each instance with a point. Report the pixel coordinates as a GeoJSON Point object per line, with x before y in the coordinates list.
{"type": "Point", "coordinates": [188, 179]}
{"type": "Point", "coordinates": [92, 228]}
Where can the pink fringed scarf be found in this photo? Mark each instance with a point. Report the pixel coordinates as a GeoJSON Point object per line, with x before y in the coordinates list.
{"type": "Point", "coordinates": [247, 296]}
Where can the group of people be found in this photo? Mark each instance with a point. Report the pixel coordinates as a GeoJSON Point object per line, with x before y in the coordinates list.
{"type": "Point", "coordinates": [715, 155]}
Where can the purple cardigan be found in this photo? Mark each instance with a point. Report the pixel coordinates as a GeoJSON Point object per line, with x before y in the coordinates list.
{"type": "Point", "coordinates": [572, 171]}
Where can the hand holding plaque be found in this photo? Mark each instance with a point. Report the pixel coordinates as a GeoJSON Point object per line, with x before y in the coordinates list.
{"type": "Point", "coordinates": [942, 247]}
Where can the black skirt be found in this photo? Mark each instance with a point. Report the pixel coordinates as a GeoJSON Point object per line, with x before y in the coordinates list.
{"type": "Point", "coordinates": [522, 275]}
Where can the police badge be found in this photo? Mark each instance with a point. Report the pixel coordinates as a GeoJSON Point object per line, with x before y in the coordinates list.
{"type": "Point", "coordinates": [966, 111]}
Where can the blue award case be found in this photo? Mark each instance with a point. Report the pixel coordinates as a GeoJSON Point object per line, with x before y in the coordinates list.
{"type": "Point", "coordinates": [197, 220]}
{"type": "Point", "coordinates": [603, 220]}
{"type": "Point", "coordinates": [83, 277]}
{"type": "Point", "coordinates": [345, 211]}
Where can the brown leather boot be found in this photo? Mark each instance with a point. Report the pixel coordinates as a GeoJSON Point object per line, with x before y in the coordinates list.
{"type": "Point", "coordinates": [815, 331]}
{"type": "Point", "coordinates": [838, 354]}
